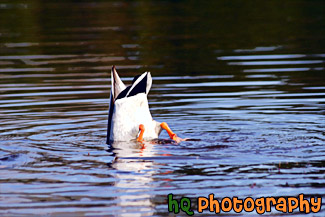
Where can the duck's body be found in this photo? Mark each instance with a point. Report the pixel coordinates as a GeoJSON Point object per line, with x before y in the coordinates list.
{"type": "Point", "coordinates": [129, 117]}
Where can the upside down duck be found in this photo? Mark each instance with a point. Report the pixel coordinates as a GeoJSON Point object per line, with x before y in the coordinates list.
{"type": "Point", "coordinates": [129, 117]}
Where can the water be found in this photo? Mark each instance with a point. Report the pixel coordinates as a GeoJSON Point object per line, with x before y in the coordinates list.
{"type": "Point", "coordinates": [247, 87]}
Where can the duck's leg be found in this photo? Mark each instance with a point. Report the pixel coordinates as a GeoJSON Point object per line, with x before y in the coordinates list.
{"type": "Point", "coordinates": [171, 134]}
{"type": "Point", "coordinates": [140, 137]}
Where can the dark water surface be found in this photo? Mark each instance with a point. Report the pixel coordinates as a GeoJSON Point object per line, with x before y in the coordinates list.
{"type": "Point", "coordinates": [245, 78]}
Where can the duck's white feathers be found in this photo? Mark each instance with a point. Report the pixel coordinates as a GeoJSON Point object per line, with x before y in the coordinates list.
{"type": "Point", "coordinates": [130, 109]}
{"type": "Point", "coordinates": [117, 84]}
{"type": "Point", "coordinates": [128, 114]}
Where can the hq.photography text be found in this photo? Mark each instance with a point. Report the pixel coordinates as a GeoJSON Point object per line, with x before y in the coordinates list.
{"type": "Point", "coordinates": [259, 205]}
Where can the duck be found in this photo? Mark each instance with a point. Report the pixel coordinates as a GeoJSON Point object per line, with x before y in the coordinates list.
{"type": "Point", "coordinates": [129, 116]}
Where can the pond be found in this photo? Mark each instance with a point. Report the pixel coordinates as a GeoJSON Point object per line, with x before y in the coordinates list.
{"type": "Point", "coordinates": [244, 80]}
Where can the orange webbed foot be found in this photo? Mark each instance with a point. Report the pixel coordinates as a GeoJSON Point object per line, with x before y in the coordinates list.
{"type": "Point", "coordinates": [140, 137]}
{"type": "Point", "coordinates": [171, 134]}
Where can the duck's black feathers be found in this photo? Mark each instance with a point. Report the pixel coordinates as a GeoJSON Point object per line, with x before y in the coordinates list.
{"type": "Point", "coordinates": [138, 86]}
{"type": "Point", "coordinates": [110, 115]}
{"type": "Point", "coordinates": [123, 93]}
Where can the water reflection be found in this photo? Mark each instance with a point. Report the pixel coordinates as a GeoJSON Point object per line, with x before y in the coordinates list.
{"type": "Point", "coordinates": [135, 166]}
